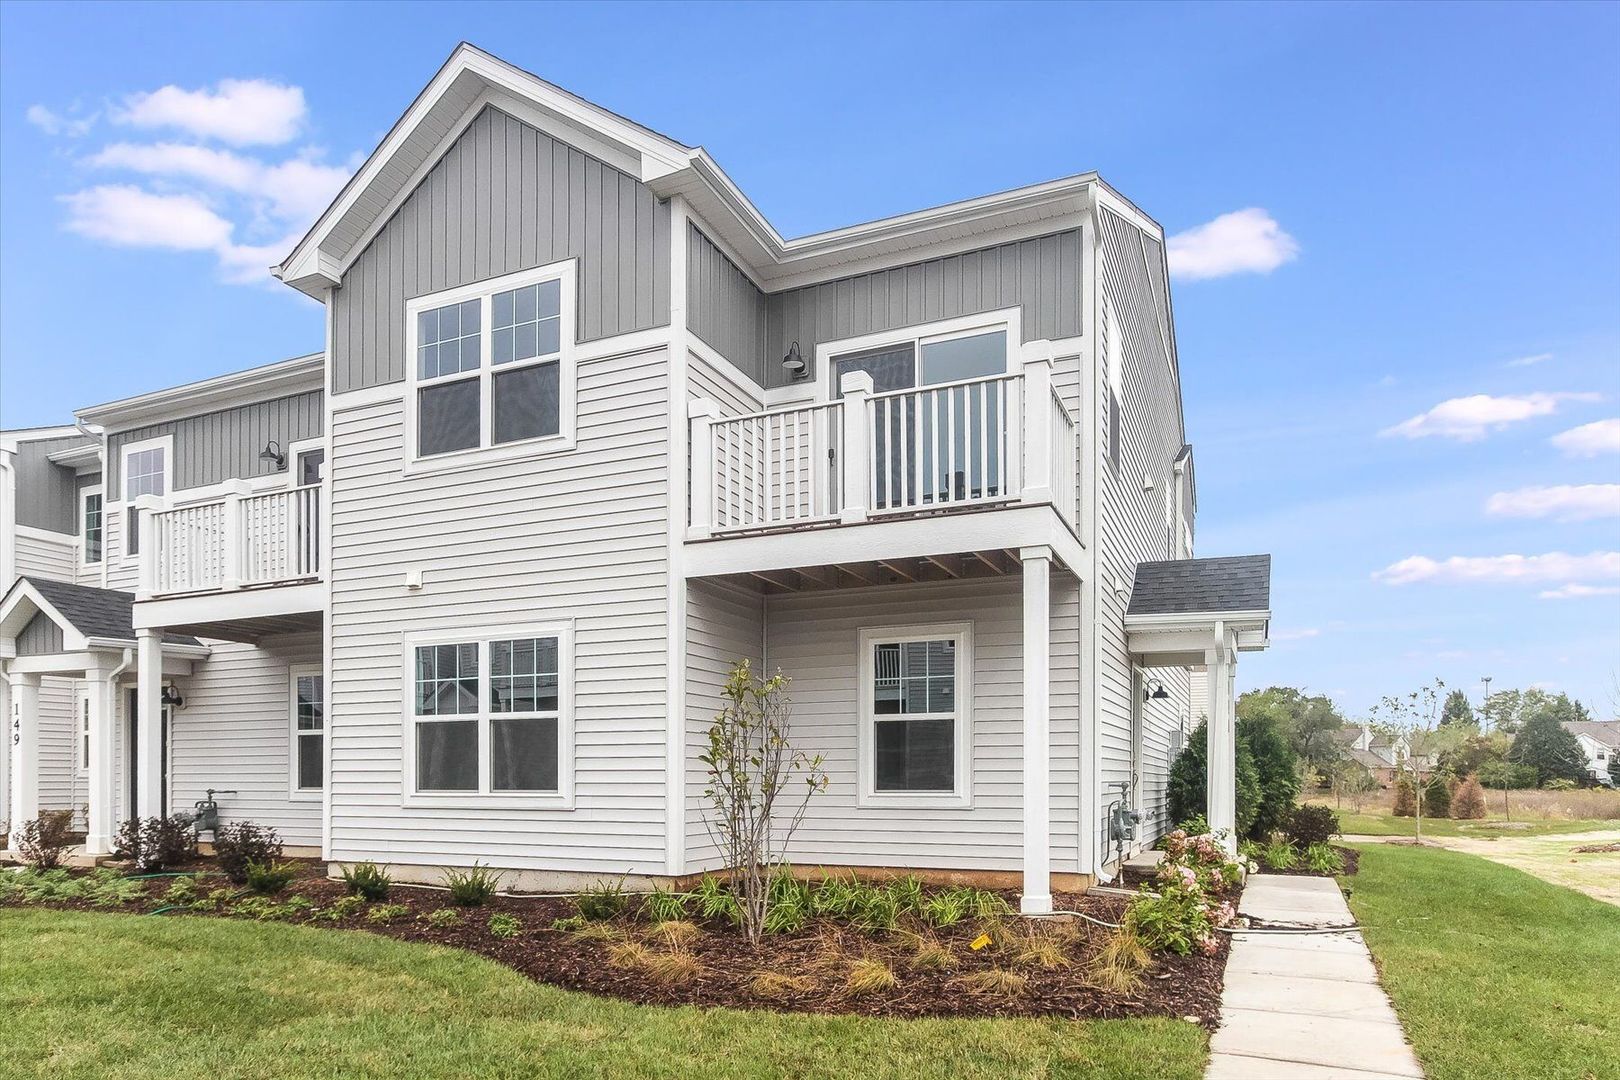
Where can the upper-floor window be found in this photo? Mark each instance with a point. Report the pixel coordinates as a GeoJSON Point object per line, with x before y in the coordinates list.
{"type": "Point", "coordinates": [492, 365]}
{"type": "Point", "coordinates": [144, 467]}
{"type": "Point", "coordinates": [90, 528]}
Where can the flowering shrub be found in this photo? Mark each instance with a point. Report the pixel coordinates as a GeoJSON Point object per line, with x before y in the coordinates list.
{"type": "Point", "coordinates": [1189, 900]}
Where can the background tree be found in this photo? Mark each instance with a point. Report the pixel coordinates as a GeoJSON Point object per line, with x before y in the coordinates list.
{"type": "Point", "coordinates": [1457, 710]}
{"type": "Point", "coordinates": [1351, 780]}
{"type": "Point", "coordinates": [1277, 768]}
{"type": "Point", "coordinates": [753, 767]}
{"type": "Point", "coordinates": [1547, 746]}
{"type": "Point", "coordinates": [1437, 796]}
{"type": "Point", "coordinates": [1309, 722]}
{"type": "Point", "coordinates": [1187, 790]}
{"type": "Point", "coordinates": [1406, 803]}
{"type": "Point", "coordinates": [1414, 715]}
{"type": "Point", "coordinates": [1475, 751]}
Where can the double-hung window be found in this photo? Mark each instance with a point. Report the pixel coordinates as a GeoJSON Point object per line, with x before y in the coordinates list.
{"type": "Point", "coordinates": [916, 715]}
{"type": "Point", "coordinates": [308, 730]}
{"type": "Point", "coordinates": [489, 716]}
{"type": "Point", "coordinates": [90, 527]}
{"type": "Point", "coordinates": [144, 470]}
{"type": "Point", "coordinates": [492, 367]}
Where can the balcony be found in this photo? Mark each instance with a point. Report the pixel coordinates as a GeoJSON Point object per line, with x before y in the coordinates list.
{"type": "Point", "coordinates": [239, 567]}
{"type": "Point", "coordinates": [971, 470]}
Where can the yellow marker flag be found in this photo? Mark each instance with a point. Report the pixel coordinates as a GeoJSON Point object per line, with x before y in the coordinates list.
{"type": "Point", "coordinates": [979, 942]}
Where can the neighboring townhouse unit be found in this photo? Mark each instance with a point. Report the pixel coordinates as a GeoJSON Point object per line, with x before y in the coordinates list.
{"type": "Point", "coordinates": [594, 432]}
{"type": "Point", "coordinates": [1600, 742]}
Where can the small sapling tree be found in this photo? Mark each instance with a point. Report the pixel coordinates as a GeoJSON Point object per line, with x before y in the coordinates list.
{"type": "Point", "coordinates": [1413, 717]}
{"type": "Point", "coordinates": [759, 788]}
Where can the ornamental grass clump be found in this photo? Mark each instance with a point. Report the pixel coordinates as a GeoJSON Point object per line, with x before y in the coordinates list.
{"type": "Point", "coordinates": [603, 901]}
{"type": "Point", "coordinates": [1279, 854]}
{"type": "Point", "coordinates": [367, 880]}
{"type": "Point", "coordinates": [777, 986]}
{"type": "Point", "coordinates": [869, 975]}
{"type": "Point", "coordinates": [997, 981]}
{"type": "Point", "coordinates": [663, 905]}
{"type": "Point", "coordinates": [1118, 966]}
{"type": "Point", "coordinates": [471, 887]}
{"type": "Point", "coordinates": [1323, 859]}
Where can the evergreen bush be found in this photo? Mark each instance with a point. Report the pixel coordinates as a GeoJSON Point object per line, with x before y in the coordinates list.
{"type": "Point", "coordinates": [1468, 804]}
{"type": "Point", "coordinates": [1437, 798]}
{"type": "Point", "coordinates": [1405, 798]}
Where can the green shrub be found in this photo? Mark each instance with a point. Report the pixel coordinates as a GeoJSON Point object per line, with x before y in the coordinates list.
{"type": "Point", "coordinates": [602, 901]}
{"type": "Point", "coordinates": [183, 892]}
{"type": "Point", "coordinates": [1405, 798]}
{"type": "Point", "coordinates": [216, 900]}
{"type": "Point", "coordinates": [714, 900]}
{"type": "Point", "coordinates": [1196, 825]}
{"type": "Point", "coordinates": [570, 923]}
{"type": "Point", "coordinates": [106, 887]}
{"type": "Point", "coordinates": [503, 925]}
{"type": "Point", "coordinates": [343, 907]}
{"type": "Point", "coordinates": [836, 897]}
{"type": "Point", "coordinates": [471, 888]}
{"type": "Point", "coordinates": [1279, 854]}
{"type": "Point", "coordinates": [367, 880]}
{"type": "Point", "coordinates": [1278, 769]}
{"type": "Point", "coordinates": [1176, 920]}
{"type": "Point", "coordinates": [663, 905]}
{"type": "Point", "coordinates": [1437, 798]}
{"type": "Point", "coordinates": [380, 913]}
{"type": "Point", "coordinates": [442, 918]}
{"type": "Point", "coordinates": [45, 886]}
{"type": "Point", "coordinates": [1559, 783]}
{"type": "Point", "coordinates": [1322, 859]}
{"type": "Point", "coordinates": [787, 904]}
{"type": "Point", "coordinates": [1312, 824]}
{"type": "Point", "coordinates": [157, 842]}
{"type": "Point", "coordinates": [945, 909]}
{"type": "Point", "coordinates": [879, 913]}
{"type": "Point", "coordinates": [1188, 772]}
{"type": "Point", "coordinates": [44, 841]}
{"type": "Point", "coordinates": [908, 893]}
{"type": "Point", "coordinates": [237, 844]}
{"type": "Point", "coordinates": [269, 878]}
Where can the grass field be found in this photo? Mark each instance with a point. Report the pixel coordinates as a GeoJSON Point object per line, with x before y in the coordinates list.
{"type": "Point", "coordinates": [116, 997]}
{"type": "Point", "coordinates": [1493, 972]}
{"type": "Point", "coordinates": [1388, 825]}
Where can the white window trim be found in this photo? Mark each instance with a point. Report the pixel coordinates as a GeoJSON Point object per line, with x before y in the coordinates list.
{"type": "Point", "coordinates": [918, 334]}
{"type": "Point", "coordinates": [122, 504]}
{"type": "Point", "coordinates": [294, 792]}
{"type": "Point", "coordinates": [867, 797]}
{"type": "Point", "coordinates": [563, 797]}
{"type": "Point", "coordinates": [81, 728]}
{"type": "Point", "coordinates": [303, 446]}
{"type": "Point", "coordinates": [84, 497]}
{"type": "Point", "coordinates": [485, 452]}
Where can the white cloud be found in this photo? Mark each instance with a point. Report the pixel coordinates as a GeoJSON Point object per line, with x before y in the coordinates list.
{"type": "Point", "coordinates": [242, 112]}
{"type": "Point", "coordinates": [1473, 417]}
{"type": "Point", "coordinates": [1241, 242]}
{"type": "Point", "coordinates": [1590, 440]}
{"type": "Point", "coordinates": [1498, 569]}
{"type": "Point", "coordinates": [1530, 361]}
{"type": "Point", "coordinates": [52, 122]}
{"type": "Point", "coordinates": [297, 189]}
{"type": "Point", "coordinates": [130, 217]}
{"type": "Point", "coordinates": [1301, 634]}
{"type": "Point", "coordinates": [249, 264]}
{"type": "Point", "coordinates": [1574, 591]}
{"type": "Point", "coordinates": [1566, 502]}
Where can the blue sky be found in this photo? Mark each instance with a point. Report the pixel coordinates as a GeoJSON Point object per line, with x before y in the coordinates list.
{"type": "Point", "coordinates": [1381, 359]}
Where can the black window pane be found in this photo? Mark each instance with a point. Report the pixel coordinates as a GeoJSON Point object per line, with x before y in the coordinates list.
{"type": "Point", "coordinates": [523, 755]}
{"type": "Point", "coordinates": [915, 755]}
{"type": "Point", "coordinates": [893, 367]}
{"type": "Point", "coordinates": [447, 756]}
{"type": "Point", "coordinates": [310, 768]}
{"type": "Point", "coordinates": [448, 417]}
{"type": "Point", "coordinates": [964, 358]}
{"type": "Point", "coordinates": [526, 403]}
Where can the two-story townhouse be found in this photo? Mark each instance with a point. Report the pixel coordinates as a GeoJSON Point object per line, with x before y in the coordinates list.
{"type": "Point", "coordinates": [233, 462]}
{"type": "Point", "coordinates": [594, 432]}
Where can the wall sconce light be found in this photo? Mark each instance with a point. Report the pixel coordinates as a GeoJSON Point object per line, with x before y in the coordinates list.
{"type": "Point", "coordinates": [793, 363]}
{"type": "Point", "coordinates": [1159, 693]}
{"type": "Point", "coordinates": [272, 452]}
{"type": "Point", "coordinates": [171, 697]}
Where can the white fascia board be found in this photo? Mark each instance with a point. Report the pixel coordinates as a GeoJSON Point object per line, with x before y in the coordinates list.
{"type": "Point", "coordinates": [78, 457]}
{"type": "Point", "coordinates": [21, 604]}
{"type": "Point", "coordinates": [10, 440]}
{"type": "Point", "coordinates": [295, 376]}
{"type": "Point", "coordinates": [1184, 631]}
{"type": "Point", "coordinates": [230, 606]}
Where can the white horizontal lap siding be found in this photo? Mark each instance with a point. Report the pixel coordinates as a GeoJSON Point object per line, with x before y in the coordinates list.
{"type": "Point", "coordinates": [55, 559]}
{"type": "Point", "coordinates": [60, 785]}
{"type": "Point", "coordinates": [724, 625]}
{"type": "Point", "coordinates": [580, 535]}
{"type": "Point", "coordinates": [1130, 527]}
{"type": "Point", "coordinates": [234, 733]}
{"type": "Point", "coordinates": [812, 637]}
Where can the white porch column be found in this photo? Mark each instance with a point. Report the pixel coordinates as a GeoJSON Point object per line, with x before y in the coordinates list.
{"type": "Point", "coordinates": [701, 415]}
{"type": "Point", "coordinates": [149, 740]}
{"type": "Point", "coordinates": [1037, 898]}
{"type": "Point", "coordinates": [1037, 418]}
{"type": "Point", "coordinates": [99, 830]}
{"type": "Point", "coordinates": [855, 454]}
{"type": "Point", "coordinates": [1220, 779]}
{"type": "Point", "coordinates": [22, 732]}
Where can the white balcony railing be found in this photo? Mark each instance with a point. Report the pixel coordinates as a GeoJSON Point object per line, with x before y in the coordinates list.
{"type": "Point", "coordinates": [237, 541]}
{"type": "Point", "coordinates": [978, 442]}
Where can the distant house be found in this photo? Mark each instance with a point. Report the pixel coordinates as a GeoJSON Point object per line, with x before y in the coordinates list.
{"type": "Point", "coordinates": [1378, 753]}
{"type": "Point", "coordinates": [1600, 741]}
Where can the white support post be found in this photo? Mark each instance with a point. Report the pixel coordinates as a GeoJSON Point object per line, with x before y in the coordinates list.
{"type": "Point", "coordinates": [701, 415]}
{"type": "Point", "coordinates": [1037, 895]}
{"type": "Point", "coordinates": [231, 569]}
{"type": "Point", "coordinates": [99, 827]}
{"type": "Point", "coordinates": [856, 453]}
{"type": "Point", "coordinates": [1037, 448]}
{"type": "Point", "coordinates": [146, 533]}
{"type": "Point", "coordinates": [149, 740]}
{"type": "Point", "coordinates": [22, 731]}
{"type": "Point", "coordinates": [1220, 779]}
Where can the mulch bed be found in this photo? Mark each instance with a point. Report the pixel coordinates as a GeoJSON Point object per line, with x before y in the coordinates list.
{"type": "Point", "coordinates": [1184, 987]}
{"type": "Point", "coordinates": [1352, 862]}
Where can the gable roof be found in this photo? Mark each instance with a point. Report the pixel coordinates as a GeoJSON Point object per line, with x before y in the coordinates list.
{"type": "Point", "coordinates": [1604, 732]}
{"type": "Point", "coordinates": [472, 78]}
{"type": "Point", "coordinates": [101, 615]}
{"type": "Point", "coordinates": [1236, 583]}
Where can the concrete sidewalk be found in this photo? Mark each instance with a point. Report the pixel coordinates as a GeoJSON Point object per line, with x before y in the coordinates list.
{"type": "Point", "coordinates": [1304, 1006]}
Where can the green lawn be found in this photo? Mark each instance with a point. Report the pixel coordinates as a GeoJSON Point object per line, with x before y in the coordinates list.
{"type": "Point", "coordinates": [1388, 825]}
{"type": "Point", "coordinates": [120, 996]}
{"type": "Point", "coordinates": [1493, 972]}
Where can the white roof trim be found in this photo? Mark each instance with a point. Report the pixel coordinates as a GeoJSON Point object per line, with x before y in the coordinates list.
{"type": "Point", "coordinates": [14, 617]}
{"type": "Point", "coordinates": [300, 374]}
{"type": "Point", "coordinates": [10, 440]}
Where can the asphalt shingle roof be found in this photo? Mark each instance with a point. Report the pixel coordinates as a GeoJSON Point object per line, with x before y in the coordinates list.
{"type": "Point", "coordinates": [97, 613]}
{"type": "Point", "coordinates": [1183, 586]}
{"type": "Point", "coordinates": [1606, 732]}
